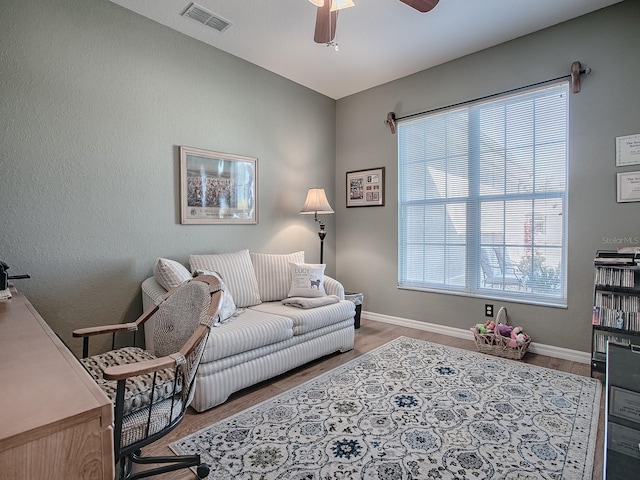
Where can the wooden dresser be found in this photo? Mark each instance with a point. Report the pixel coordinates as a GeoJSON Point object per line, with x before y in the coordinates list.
{"type": "Point", "coordinates": [55, 422]}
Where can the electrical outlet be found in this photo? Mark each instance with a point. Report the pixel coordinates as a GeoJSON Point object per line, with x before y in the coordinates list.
{"type": "Point", "coordinates": [488, 310]}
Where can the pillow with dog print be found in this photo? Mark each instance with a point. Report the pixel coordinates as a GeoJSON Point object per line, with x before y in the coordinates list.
{"type": "Point", "coordinates": [307, 280]}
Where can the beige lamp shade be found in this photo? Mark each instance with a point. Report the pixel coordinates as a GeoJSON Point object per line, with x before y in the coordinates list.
{"type": "Point", "coordinates": [316, 202]}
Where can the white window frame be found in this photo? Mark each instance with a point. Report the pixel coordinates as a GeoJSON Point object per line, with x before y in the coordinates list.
{"type": "Point", "coordinates": [474, 281]}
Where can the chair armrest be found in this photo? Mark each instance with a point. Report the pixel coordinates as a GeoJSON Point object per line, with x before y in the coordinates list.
{"type": "Point", "coordinates": [87, 332]}
{"type": "Point", "coordinates": [90, 331]}
{"type": "Point", "coordinates": [333, 287]}
{"type": "Point", "coordinates": [122, 327]}
{"type": "Point", "coordinates": [122, 372]}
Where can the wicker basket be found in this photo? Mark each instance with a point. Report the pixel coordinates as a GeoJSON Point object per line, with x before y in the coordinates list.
{"type": "Point", "coordinates": [496, 344]}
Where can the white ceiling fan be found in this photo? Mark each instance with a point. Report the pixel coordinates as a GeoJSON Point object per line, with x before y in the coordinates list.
{"type": "Point", "coordinates": [327, 15]}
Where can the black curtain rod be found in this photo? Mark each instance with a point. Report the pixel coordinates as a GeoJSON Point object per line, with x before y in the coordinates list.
{"type": "Point", "coordinates": [576, 71]}
{"type": "Point", "coordinates": [486, 97]}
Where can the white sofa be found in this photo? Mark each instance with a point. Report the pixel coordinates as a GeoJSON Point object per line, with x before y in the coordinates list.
{"type": "Point", "coordinates": [262, 337]}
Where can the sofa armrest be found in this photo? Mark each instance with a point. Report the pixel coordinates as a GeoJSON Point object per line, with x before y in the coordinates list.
{"type": "Point", "coordinates": [152, 293]}
{"type": "Point", "coordinates": [333, 287]}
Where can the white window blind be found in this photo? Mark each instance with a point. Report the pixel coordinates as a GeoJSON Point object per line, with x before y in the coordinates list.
{"type": "Point", "coordinates": [483, 195]}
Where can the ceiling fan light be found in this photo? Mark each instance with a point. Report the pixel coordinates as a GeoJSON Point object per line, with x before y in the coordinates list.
{"type": "Point", "coordinates": [335, 4]}
{"type": "Point", "coordinates": [340, 4]}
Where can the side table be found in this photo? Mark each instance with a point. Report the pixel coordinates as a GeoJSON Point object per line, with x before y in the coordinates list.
{"type": "Point", "coordinates": [357, 298]}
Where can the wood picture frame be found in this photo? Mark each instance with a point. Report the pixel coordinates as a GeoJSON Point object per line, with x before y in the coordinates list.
{"type": "Point", "coordinates": [217, 188]}
{"type": "Point", "coordinates": [365, 188]}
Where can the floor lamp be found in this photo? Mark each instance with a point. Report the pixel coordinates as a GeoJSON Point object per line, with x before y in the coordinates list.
{"type": "Point", "coordinates": [317, 204]}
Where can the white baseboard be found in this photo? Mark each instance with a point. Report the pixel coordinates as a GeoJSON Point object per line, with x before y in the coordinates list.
{"type": "Point", "coordinates": [539, 348]}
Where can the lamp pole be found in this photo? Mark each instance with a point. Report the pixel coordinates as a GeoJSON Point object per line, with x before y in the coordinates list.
{"type": "Point", "coordinates": [322, 233]}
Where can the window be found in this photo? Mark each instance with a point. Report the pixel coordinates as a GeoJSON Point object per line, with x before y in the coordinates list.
{"type": "Point", "coordinates": [483, 196]}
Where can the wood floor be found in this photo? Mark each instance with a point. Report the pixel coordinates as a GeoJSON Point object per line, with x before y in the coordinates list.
{"type": "Point", "coordinates": [369, 336]}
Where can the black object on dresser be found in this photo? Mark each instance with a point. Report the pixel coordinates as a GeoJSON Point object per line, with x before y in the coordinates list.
{"type": "Point", "coordinates": [4, 276]}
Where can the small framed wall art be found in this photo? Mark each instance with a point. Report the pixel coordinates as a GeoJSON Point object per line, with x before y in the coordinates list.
{"type": "Point", "coordinates": [365, 188]}
{"type": "Point", "coordinates": [629, 187]}
{"type": "Point", "coordinates": [217, 188]}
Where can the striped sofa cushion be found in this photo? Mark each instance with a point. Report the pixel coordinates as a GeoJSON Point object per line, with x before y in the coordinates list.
{"type": "Point", "coordinates": [237, 272]}
{"type": "Point", "coordinates": [247, 332]}
{"type": "Point", "coordinates": [306, 320]}
{"type": "Point", "coordinates": [208, 368]}
{"type": "Point", "coordinates": [273, 273]}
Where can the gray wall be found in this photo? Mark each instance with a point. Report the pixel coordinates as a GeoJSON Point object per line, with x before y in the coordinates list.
{"type": "Point", "coordinates": [95, 101]}
{"type": "Point", "coordinates": [608, 106]}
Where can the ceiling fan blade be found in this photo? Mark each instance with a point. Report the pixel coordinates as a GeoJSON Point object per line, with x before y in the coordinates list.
{"type": "Point", "coordinates": [421, 5]}
{"type": "Point", "coordinates": [325, 24]}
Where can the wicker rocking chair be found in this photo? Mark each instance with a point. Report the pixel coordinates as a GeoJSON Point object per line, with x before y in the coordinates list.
{"type": "Point", "coordinates": [151, 392]}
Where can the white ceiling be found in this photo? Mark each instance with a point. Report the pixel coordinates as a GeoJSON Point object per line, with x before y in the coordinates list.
{"type": "Point", "coordinates": [380, 40]}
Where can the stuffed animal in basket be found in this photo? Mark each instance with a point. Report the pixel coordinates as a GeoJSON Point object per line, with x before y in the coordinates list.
{"type": "Point", "coordinates": [490, 326]}
{"type": "Point", "coordinates": [505, 330]}
{"type": "Point", "coordinates": [487, 327]}
{"type": "Point", "coordinates": [479, 328]}
{"type": "Point", "coordinates": [517, 337]}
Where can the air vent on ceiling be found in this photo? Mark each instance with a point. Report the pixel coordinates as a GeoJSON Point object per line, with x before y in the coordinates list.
{"type": "Point", "coordinates": [204, 16]}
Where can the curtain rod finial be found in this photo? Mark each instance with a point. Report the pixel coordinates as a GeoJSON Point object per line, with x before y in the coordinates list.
{"type": "Point", "coordinates": [575, 76]}
{"type": "Point", "coordinates": [391, 121]}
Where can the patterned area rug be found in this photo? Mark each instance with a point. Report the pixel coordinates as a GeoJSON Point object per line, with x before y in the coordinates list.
{"type": "Point", "coordinates": [413, 410]}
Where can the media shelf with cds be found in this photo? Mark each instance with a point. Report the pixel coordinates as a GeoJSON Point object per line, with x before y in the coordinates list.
{"type": "Point", "coordinates": [616, 304]}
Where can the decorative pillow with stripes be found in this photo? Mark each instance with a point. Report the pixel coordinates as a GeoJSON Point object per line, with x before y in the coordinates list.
{"type": "Point", "coordinates": [170, 273]}
{"type": "Point", "coordinates": [228, 307]}
{"type": "Point", "coordinates": [273, 274]}
{"type": "Point", "coordinates": [237, 270]}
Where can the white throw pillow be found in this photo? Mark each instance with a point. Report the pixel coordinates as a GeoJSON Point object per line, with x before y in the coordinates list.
{"type": "Point", "coordinates": [228, 306]}
{"type": "Point", "coordinates": [273, 274]}
{"type": "Point", "coordinates": [170, 273]}
{"type": "Point", "coordinates": [307, 280]}
{"type": "Point", "coordinates": [236, 269]}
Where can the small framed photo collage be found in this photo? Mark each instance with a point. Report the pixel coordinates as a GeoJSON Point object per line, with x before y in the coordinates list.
{"type": "Point", "coordinates": [365, 188]}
